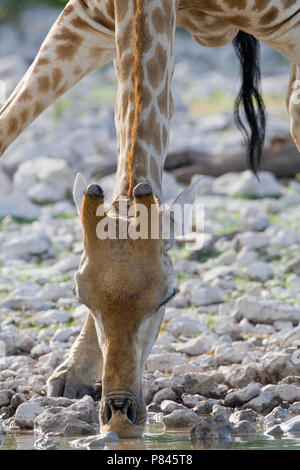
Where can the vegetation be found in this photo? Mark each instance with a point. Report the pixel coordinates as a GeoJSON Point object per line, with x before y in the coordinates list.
{"type": "Point", "coordinates": [10, 9]}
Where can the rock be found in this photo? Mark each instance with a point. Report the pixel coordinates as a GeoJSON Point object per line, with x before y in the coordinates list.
{"type": "Point", "coordinates": [276, 431]}
{"type": "Point", "coordinates": [213, 429]}
{"type": "Point", "coordinates": [245, 415]}
{"type": "Point", "coordinates": [287, 392]}
{"type": "Point", "coordinates": [17, 399]}
{"type": "Point", "coordinates": [277, 416]}
{"type": "Point", "coordinates": [45, 444]}
{"type": "Point", "coordinates": [180, 418]}
{"type": "Point", "coordinates": [295, 408]}
{"type": "Point", "coordinates": [96, 442]}
{"type": "Point", "coordinates": [2, 349]}
{"type": "Point", "coordinates": [264, 403]}
{"type": "Point", "coordinates": [40, 350]}
{"type": "Point", "coordinates": [34, 244]}
{"type": "Point", "coordinates": [185, 325]}
{"type": "Point", "coordinates": [43, 193]}
{"type": "Point", "coordinates": [168, 406]}
{"type": "Point", "coordinates": [5, 397]}
{"type": "Point", "coordinates": [243, 428]}
{"type": "Point", "coordinates": [196, 346]}
{"type": "Point", "coordinates": [64, 422]}
{"type": "Point", "coordinates": [53, 172]}
{"type": "Point", "coordinates": [292, 426]}
{"type": "Point", "coordinates": [164, 394]}
{"type": "Point", "coordinates": [231, 354]}
{"type": "Point", "coordinates": [246, 184]}
{"type": "Point", "coordinates": [259, 271]}
{"type": "Point", "coordinates": [191, 400]}
{"type": "Point", "coordinates": [5, 183]}
{"type": "Point", "coordinates": [221, 410]}
{"type": "Point", "coordinates": [26, 414]}
{"type": "Point", "coordinates": [193, 384]}
{"type": "Point", "coordinates": [51, 317]}
{"type": "Point", "coordinates": [16, 204]}
{"type": "Point", "coordinates": [239, 397]}
{"type": "Point", "coordinates": [164, 362]}
{"type": "Point", "coordinates": [205, 407]}
{"type": "Point", "coordinates": [261, 311]}
{"type": "Point", "coordinates": [24, 341]}
{"type": "Point", "coordinates": [64, 334]}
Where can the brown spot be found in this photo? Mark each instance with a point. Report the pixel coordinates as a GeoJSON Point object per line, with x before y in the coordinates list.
{"type": "Point", "coordinates": [38, 109]}
{"type": "Point", "coordinates": [141, 158]}
{"type": "Point", "coordinates": [147, 97]}
{"type": "Point", "coordinates": [42, 61]}
{"type": "Point", "coordinates": [77, 70]}
{"type": "Point", "coordinates": [149, 131]}
{"type": "Point", "coordinates": [68, 9]}
{"type": "Point", "coordinates": [239, 4]}
{"type": "Point", "coordinates": [125, 66]}
{"type": "Point", "coordinates": [154, 169]}
{"type": "Point", "coordinates": [43, 84]}
{"type": "Point", "coordinates": [24, 115]}
{"type": "Point", "coordinates": [12, 125]}
{"type": "Point", "coordinates": [102, 19]}
{"type": "Point", "coordinates": [156, 66]}
{"type": "Point", "coordinates": [25, 95]}
{"type": "Point", "coordinates": [57, 76]}
{"type": "Point", "coordinates": [260, 5]}
{"type": "Point", "coordinates": [110, 8]}
{"type": "Point", "coordinates": [205, 5]}
{"type": "Point", "coordinates": [288, 3]}
{"type": "Point", "coordinates": [158, 20]}
{"type": "Point", "coordinates": [270, 16]}
{"type": "Point", "coordinates": [96, 52]}
{"type": "Point", "coordinates": [162, 101]}
{"type": "Point", "coordinates": [165, 137]}
{"type": "Point", "coordinates": [121, 10]}
{"type": "Point", "coordinates": [72, 42]}
{"type": "Point", "coordinates": [62, 90]}
{"type": "Point", "coordinates": [79, 23]}
{"type": "Point", "coordinates": [241, 21]}
{"type": "Point", "coordinates": [124, 41]}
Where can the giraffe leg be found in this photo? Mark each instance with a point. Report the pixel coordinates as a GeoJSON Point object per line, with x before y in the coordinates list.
{"type": "Point", "coordinates": [77, 376]}
{"type": "Point", "coordinates": [80, 41]}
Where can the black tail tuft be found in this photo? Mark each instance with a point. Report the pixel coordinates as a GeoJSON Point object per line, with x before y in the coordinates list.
{"type": "Point", "coordinates": [249, 102]}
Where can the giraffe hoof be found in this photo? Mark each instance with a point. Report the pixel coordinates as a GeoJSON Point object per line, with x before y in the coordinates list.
{"type": "Point", "coordinates": [94, 190]}
{"type": "Point", "coordinates": [142, 190]}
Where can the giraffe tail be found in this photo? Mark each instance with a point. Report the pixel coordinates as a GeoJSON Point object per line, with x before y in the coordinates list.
{"type": "Point", "coordinates": [249, 104]}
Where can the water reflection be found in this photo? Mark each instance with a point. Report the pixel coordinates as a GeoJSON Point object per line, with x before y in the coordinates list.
{"type": "Point", "coordinates": [157, 438]}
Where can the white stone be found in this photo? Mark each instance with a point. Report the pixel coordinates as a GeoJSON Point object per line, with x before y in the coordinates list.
{"type": "Point", "coordinates": [259, 270]}
{"type": "Point", "coordinates": [164, 362]}
{"type": "Point", "coordinates": [26, 414]}
{"type": "Point", "coordinates": [197, 346]}
{"type": "Point", "coordinates": [246, 184]}
{"type": "Point", "coordinates": [260, 311]}
{"type": "Point", "coordinates": [231, 354]}
{"type": "Point", "coordinates": [51, 317]}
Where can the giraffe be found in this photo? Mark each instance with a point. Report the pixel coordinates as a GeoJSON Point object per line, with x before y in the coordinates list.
{"type": "Point", "coordinates": [126, 283]}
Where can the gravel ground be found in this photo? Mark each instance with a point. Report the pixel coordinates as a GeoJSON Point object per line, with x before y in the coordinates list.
{"type": "Point", "coordinates": [229, 345]}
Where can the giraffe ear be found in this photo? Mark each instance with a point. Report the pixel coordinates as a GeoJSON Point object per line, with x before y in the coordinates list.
{"type": "Point", "coordinates": [180, 211]}
{"type": "Point", "coordinates": [79, 188]}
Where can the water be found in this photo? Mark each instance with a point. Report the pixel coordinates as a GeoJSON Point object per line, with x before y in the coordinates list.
{"type": "Point", "coordinates": [155, 438]}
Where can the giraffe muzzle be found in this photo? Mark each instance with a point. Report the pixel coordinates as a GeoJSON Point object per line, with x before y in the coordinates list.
{"type": "Point", "coordinates": [125, 403]}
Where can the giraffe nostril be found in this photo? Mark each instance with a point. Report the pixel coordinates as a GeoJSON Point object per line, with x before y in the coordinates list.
{"type": "Point", "coordinates": [125, 405]}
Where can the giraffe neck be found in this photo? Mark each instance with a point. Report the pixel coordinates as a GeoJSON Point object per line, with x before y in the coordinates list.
{"type": "Point", "coordinates": [144, 65]}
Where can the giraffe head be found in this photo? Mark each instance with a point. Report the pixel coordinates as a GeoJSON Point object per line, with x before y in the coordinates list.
{"type": "Point", "coordinates": [125, 283]}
